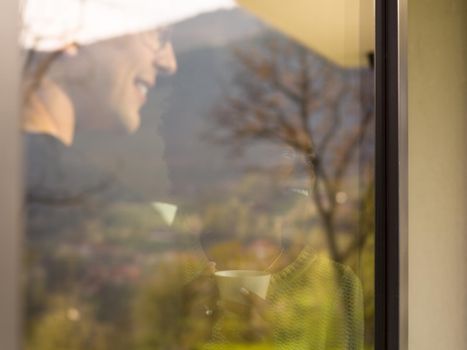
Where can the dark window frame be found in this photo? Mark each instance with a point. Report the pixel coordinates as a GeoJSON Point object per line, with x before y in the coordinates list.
{"type": "Point", "coordinates": [391, 176]}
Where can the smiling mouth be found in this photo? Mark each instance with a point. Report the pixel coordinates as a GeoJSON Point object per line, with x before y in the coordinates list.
{"type": "Point", "coordinates": [143, 87]}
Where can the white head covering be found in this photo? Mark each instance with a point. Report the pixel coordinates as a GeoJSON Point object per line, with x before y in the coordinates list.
{"type": "Point", "coordinates": [53, 24]}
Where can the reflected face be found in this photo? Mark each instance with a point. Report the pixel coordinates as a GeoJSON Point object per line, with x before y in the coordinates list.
{"type": "Point", "coordinates": [110, 80]}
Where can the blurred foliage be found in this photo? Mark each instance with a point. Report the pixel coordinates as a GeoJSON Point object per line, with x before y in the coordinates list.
{"type": "Point", "coordinates": [68, 326]}
{"type": "Point", "coordinates": [136, 283]}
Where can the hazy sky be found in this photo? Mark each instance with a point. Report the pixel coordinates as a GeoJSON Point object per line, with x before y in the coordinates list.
{"type": "Point", "coordinates": [48, 24]}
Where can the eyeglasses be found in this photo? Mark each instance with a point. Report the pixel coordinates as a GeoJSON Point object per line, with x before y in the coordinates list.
{"type": "Point", "coordinates": [157, 40]}
{"type": "Point", "coordinates": [165, 36]}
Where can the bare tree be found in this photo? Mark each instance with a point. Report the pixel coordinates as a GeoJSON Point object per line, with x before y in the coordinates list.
{"type": "Point", "coordinates": [284, 94]}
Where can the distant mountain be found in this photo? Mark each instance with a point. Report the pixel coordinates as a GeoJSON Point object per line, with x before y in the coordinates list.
{"type": "Point", "coordinates": [215, 29]}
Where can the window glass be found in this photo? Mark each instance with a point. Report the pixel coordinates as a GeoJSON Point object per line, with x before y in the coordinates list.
{"type": "Point", "coordinates": [199, 174]}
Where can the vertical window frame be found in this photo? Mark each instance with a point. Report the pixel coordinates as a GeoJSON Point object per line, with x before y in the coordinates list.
{"type": "Point", "coordinates": [391, 275]}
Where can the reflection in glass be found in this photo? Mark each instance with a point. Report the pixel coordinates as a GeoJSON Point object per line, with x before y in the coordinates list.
{"type": "Point", "coordinates": [198, 179]}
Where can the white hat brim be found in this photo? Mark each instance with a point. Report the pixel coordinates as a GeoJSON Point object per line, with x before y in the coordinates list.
{"type": "Point", "coordinates": [52, 24]}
